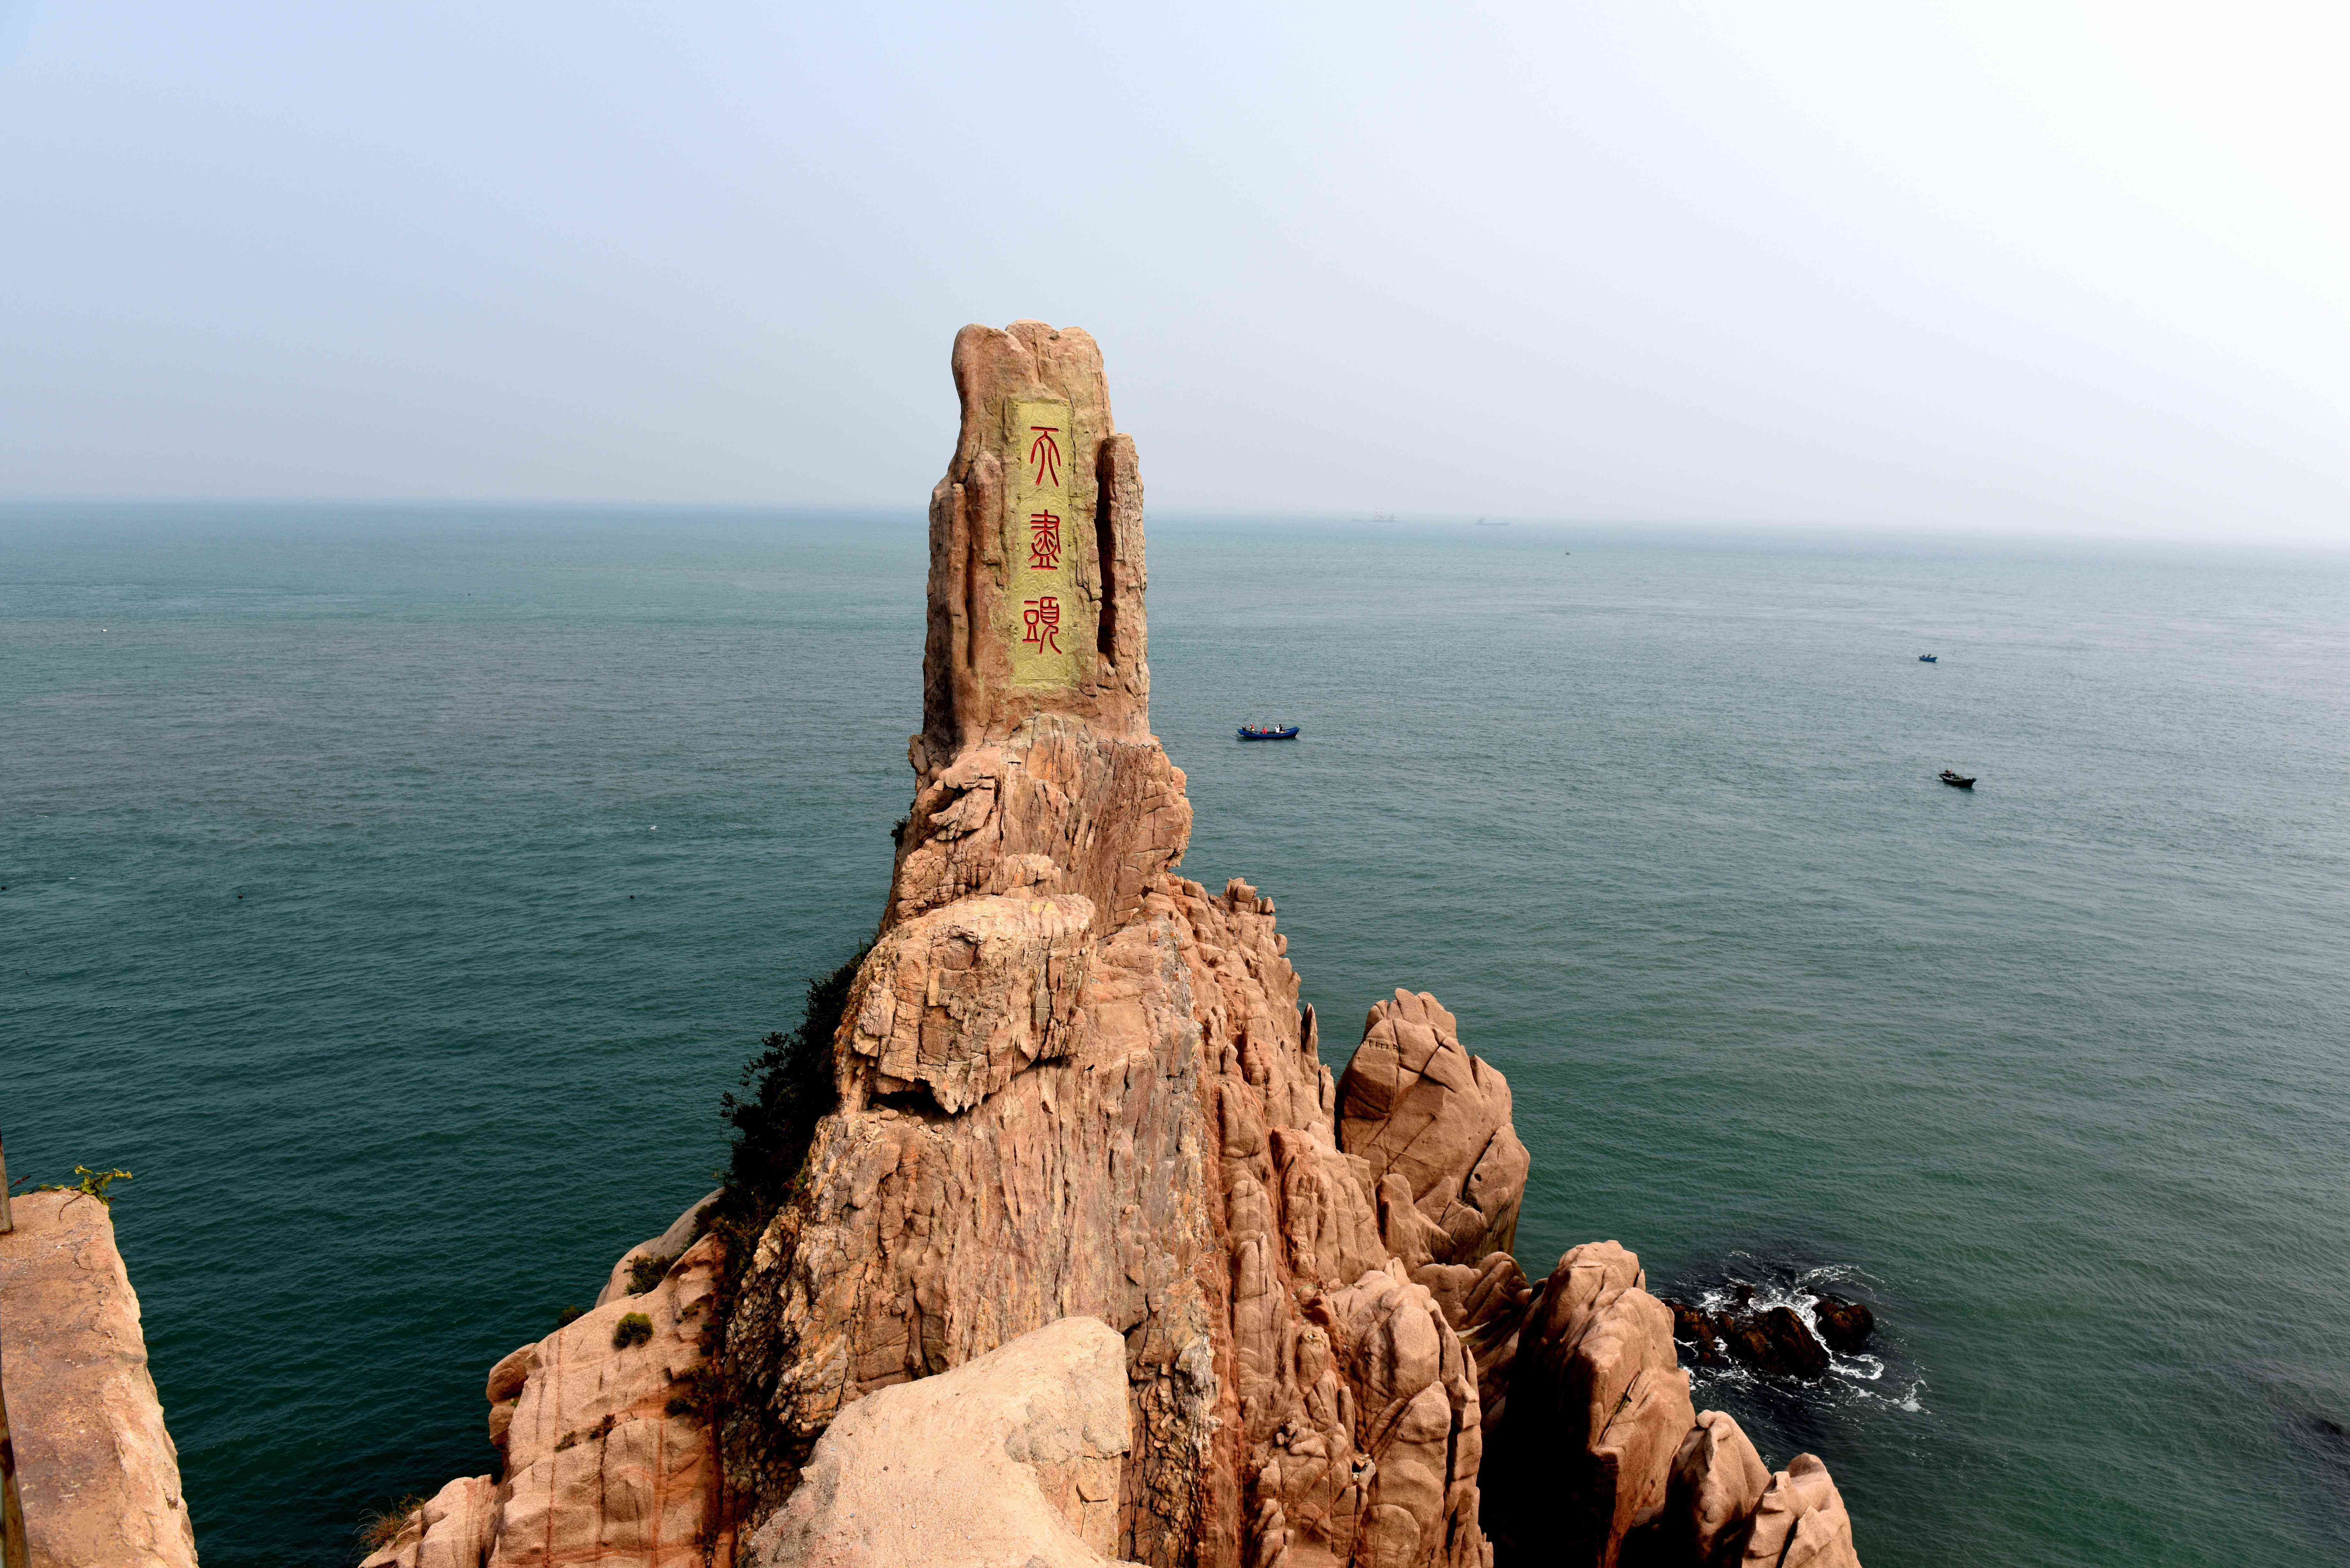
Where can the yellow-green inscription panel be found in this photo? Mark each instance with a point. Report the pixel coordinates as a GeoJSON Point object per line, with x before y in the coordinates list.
{"type": "Point", "coordinates": [1050, 632]}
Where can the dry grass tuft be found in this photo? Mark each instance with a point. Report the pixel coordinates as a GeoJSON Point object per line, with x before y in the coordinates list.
{"type": "Point", "coordinates": [378, 1530]}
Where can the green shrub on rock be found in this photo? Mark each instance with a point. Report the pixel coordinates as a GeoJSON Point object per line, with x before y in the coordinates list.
{"type": "Point", "coordinates": [790, 1089]}
{"type": "Point", "coordinates": [636, 1328]}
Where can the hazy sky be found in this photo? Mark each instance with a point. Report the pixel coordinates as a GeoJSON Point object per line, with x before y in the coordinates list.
{"type": "Point", "coordinates": [2031, 264]}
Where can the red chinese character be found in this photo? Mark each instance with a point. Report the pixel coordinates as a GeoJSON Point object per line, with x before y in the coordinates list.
{"type": "Point", "coordinates": [1043, 541]}
{"type": "Point", "coordinates": [1046, 453]}
{"type": "Point", "coordinates": [1043, 622]}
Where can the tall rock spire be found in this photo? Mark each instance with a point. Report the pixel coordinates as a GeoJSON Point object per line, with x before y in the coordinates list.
{"type": "Point", "coordinates": [1037, 572]}
{"type": "Point", "coordinates": [1073, 1083]}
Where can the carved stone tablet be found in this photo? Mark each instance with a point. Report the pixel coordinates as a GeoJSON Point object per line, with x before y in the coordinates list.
{"type": "Point", "coordinates": [1050, 625]}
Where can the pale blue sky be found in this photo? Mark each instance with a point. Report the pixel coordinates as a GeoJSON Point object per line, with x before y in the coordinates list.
{"type": "Point", "coordinates": [2028, 265]}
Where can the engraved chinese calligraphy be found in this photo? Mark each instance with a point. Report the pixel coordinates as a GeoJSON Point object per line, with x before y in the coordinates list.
{"type": "Point", "coordinates": [1048, 630]}
{"type": "Point", "coordinates": [1043, 541]}
{"type": "Point", "coordinates": [1043, 620]}
{"type": "Point", "coordinates": [1044, 455]}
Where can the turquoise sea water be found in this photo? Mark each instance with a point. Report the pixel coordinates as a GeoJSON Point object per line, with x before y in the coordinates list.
{"type": "Point", "coordinates": [539, 819]}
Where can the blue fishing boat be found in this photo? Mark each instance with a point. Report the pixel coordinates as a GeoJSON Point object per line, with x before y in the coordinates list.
{"type": "Point", "coordinates": [1268, 731]}
{"type": "Point", "coordinates": [1929, 658]}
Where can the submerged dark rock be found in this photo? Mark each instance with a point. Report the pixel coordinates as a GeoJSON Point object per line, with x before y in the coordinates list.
{"type": "Point", "coordinates": [1793, 1347]}
{"type": "Point", "coordinates": [1844, 1325]}
{"type": "Point", "coordinates": [1776, 1341]}
{"type": "Point", "coordinates": [1694, 1326]}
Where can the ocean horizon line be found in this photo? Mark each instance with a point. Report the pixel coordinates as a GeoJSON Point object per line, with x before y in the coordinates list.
{"type": "Point", "coordinates": [1485, 528]}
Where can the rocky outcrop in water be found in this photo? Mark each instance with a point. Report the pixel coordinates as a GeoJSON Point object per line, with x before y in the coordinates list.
{"type": "Point", "coordinates": [97, 1473]}
{"type": "Point", "coordinates": [1844, 1325]}
{"type": "Point", "coordinates": [1075, 1085]}
{"type": "Point", "coordinates": [1775, 1340]}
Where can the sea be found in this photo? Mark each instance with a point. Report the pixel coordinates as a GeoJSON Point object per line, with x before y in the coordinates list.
{"type": "Point", "coordinates": [394, 892]}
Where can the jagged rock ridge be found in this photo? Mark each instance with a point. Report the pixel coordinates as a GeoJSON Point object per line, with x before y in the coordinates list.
{"type": "Point", "coordinates": [1076, 1085]}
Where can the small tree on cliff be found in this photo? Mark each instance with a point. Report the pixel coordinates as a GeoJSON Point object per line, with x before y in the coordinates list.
{"type": "Point", "coordinates": [790, 1089]}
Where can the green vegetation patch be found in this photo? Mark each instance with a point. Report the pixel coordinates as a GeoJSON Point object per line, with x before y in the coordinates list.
{"type": "Point", "coordinates": [93, 1183]}
{"type": "Point", "coordinates": [790, 1089]}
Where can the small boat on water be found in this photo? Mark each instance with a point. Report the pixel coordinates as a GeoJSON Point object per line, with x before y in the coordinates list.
{"type": "Point", "coordinates": [1268, 731]}
{"type": "Point", "coordinates": [1929, 658]}
{"type": "Point", "coordinates": [1957, 781]}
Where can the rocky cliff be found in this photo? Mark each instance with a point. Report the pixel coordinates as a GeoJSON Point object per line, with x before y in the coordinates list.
{"type": "Point", "coordinates": [1072, 1083]}
{"type": "Point", "coordinates": [97, 1472]}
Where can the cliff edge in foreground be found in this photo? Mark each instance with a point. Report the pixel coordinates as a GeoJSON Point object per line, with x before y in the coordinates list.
{"type": "Point", "coordinates": [97, 1472]}
{"type": "Point", "coordinates": [1072, 1084]}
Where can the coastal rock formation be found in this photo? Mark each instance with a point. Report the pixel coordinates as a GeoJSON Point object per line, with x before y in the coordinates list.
{"type": "Point", "coordinates": [603, 1430]}
{"type": "Point", "coordinates": [1073, 1083]}
{"type": "Point", "coordinates": [653, 1258]}
{"type": "Point", "coordinates": [97, 1473]}
{"type": "Point", "coordinates": [1011, 1458]}
{"type": "Point", "coordinates": [1598, 1407]}
{"type": "Point", "coordinates": [1432, 1123]}
{"type": "Point", "coordinates": [455, 1530]}
{"type": "Point", "coordinates": [1775, 1340]}
{"type": "Point", "coordinates": [1800, 1522]}
{"type": "Point", "coordinates": [1487, 1305]}
{"type": "Point", "coordinates": [607, 1448]}
{"type": "Point", "coordinates": [1844, 1325]}
{"type": "Point", "coordinates": [1717, 1482]}
{"type": "Point", "coordinates": [1076, 1087]}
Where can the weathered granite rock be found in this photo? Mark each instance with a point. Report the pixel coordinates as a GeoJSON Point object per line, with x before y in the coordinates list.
{"type": "Point", "coordinates": [603, 1428]}
{"type": "Point", "coordinates": [455, 1530]}
{"type": "Point", "coordinates": [663, 1251]}
{"type": "Point", "coordinates": [972, 686]}
{"type": "Point", "coordinates": [1717, 1482]}
{"type": "Point", "coordinates": [1074, 1086]}
{"type": "Point", "coordinates": [97, 1472]}
{"type": "Point", "coordinates": [1800, 1522]}
{"type": "Point", "coordinates": [608, 1456]}
{"type": "Point", "coordinates": [1598, 1407]}
{"type": "Point", "coordinates": [956, 1000]}
{"type": "Point", "coordinates": [1012, 1459]}
{"type": "Point", "coordinates": [1433, 1122]}
{"type": "Point", "coordinates": [1487, 1306]}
